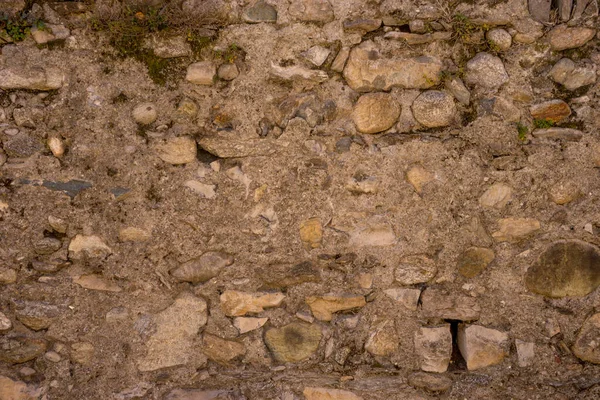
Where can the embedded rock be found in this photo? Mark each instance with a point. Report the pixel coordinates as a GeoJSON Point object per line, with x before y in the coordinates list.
{"type": "Point", "coordinates": [293, 342]}
{"type": "Point", "coordinates": [482, 347]}
{"type": "Point", "coordinates": [375, 112]}
{"type": "Point", "coordinates": [323, 307]}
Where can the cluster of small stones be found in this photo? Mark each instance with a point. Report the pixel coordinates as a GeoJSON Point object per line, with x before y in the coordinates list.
{"type": "Point", "coordinates": [349, 211]}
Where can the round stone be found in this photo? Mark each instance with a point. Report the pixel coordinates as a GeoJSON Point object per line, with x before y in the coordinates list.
{"type": "Point", "coordinates": [293, 342]}
{"type": "Point", "coordinates": [228, 72]}
{"type": "Point", "coordinates": [486, 71]}
{"type": "Point", "coordinates": [565, 268]}
{"type": "Point", "coordinates": [145, 114]}
{"type": "Point", "coordinates": [375, 112]}
{"type": "Point", "coordinates": [499, 38]}
{"type": "Point", "coordinates": [434, 108]}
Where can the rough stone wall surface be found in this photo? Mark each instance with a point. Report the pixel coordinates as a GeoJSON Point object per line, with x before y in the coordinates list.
{"type": "Point", "coordinates": [299, 199]}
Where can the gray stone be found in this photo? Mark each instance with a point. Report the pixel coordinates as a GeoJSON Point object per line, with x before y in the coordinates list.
{"type": "Point", "coordinates": [22, 145]}
{"type": "Point", "coordinates": [499, 38]}
{"type": "Point", "coordinates": [571, 76]}
{"type": "Point", "coordinates": [293, 342]}
{"type": "Point", "coordinates": [228, 72]}
{"type": "Point", "coordinates": [584, 8]}
{"type": "Point", "coordinates": [540, 10]}
{"type": "Point", "coordinates": [564, 9]}
{"type": "Point", "coordinates": [319, 11]}
{"type": "Point", "coordinates": [201, 73]}
{"type": "Point", "coordinates": [434, 109]}
{"type": "Point", "coordinates": [563, 37]}
{"type": "Point", "coordinates": [486, 71]}
{"type": "Point", "coordinates": [260, 12]}
{"type": "Point", "coordinates": [482, 347]}
{"type": "Point", "coordinates": [525, 353]}
{"type": "Point", "coordinates": [367, 71]}
{"type": "Point", "coordinates": [31, 79]}
{"type": "Point", "coordinates": [567, 134]}
{"type": "Point", "coordinates": [458, 89]}
{"type": "Point", "coordinates": [528, 30]}
{"type": "Point", "coordinates": [47, 245]}
{"type": "Point", "coordinates": [587, 343]}
{"type": "Point", "coordinates": [565, 268]}
{"type": "Point", "coordinates": [433, 346]}
{"type": "Point", "coordinates": [375, 112]}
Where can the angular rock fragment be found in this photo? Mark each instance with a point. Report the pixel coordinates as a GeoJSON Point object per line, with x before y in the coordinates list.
{"type": "Point", "coordinates": [419, 177]}
{"type": "Point", "coordinates": [374, 234]}
{"type": "Point", "coordinates": [247, 324]}
{"type": "Point", "coordinates": [36, 315]}
{"type": "Point", "coordinates": [587, 343]}
{"type": "Point", "coordinates": [515, 229]}
{"type": "Point", "coordinates": [474, 260]}
{"type": "Point", "coordinates": [565, 268]}
{"type": "Point", "coordinates": [496, 196]}
{"type": "Point", "coordinates": [323, 307]}
{"type": "Point", "coordinates": [87, 246]}
{"type": "Point", "coordinates": [298, 73]}
{"type": "Point", "coordinates": [540, 10]}
{"type": "Point", "coordinates": [340, 59]}
{"type": "Point", "coordinates": [433, 346]}
{"type": "Point", "coordinates": [571, 75]}
{"type": "Point", "coordinates": [384, 340]}
{"type": "Point", "coordinates": [415, 269]}
{"type": "Point", "coordinates": [438, 304]}
{"type": "Point", "coordinates": [220, 350]}
{"type": "Point", "coordinates": [375, 112]}
{"type": "Point", "coordinates": [553, 110]}
{"type": "Point", "coordinates": [5, 322]}
{"type": "Point", "coordinates": [315, 393]}
{"type": "Point", "coordinates": [177, 150]}
{"type": "Point", "coordinates": [237, 304]}
{"type": "Point", "coordinates": [367, 71]}
{"type": "Point", "coordinates": [96, 282]}
{"type": "Point", "coordinates": [20, 349]}
{"type": "Point", "coordinates": [17, 390]}
{"type": "Point", "coordinates": [311, 233]}
{"type": "Point", "coordinates": [203, 268]}
{"type": "Point", "coordinates": [458, 89]}
{"type": "Point", "coordinates": [316, 55]}
{"type": "Point", "coordinates": [563, 37]}
{"type": "Point", "coordinates": [430, 382]}
{"type": "Point", "coordinates": [176, 328]}
{"type": "Point", "coordinates": [362, 25]}
{"type": "Point", "coordinates": [409, 298]}
{"type": "Point", "coordinates": [525, 353]}
{"type": "Point", "coordinates": [482, 347]}
{"type": "Point", "coordinates": [293, 342]}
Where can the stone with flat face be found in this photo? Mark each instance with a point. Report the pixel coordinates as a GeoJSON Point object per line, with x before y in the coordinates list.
{"type": "Point", "coordinates": [293, 342]}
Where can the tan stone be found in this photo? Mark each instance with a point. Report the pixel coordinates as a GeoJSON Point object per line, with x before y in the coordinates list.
{"type": "Point", "coordinates": [293, 342]}
{"type": "Point", "coordinates": [415, 269]}
{"type": "Point", "coordinates": [311, 233]}
{"type": "Point", "coordinates": [205, 190]}
{"type": "Point", "coordinates": [419, 177]}
{"type": "Point", "coordinates": [16, 390]}
{"type": "Point", "coordinates": [340, 60]}
{"type": "Point", "coordinates": [409, 298]}
{"type": "Point", "coordinates": [587, 343]}
{"type": "Point", "coordinates": [220, 350]}
{"type": "Point", "coordinates": [375, 112]}
{"type": "Point", "coordinates": [203, 268]}
{"type": "Point", "coordinates": [429, 382]}
{"type": "Point", "coordinates": [177, 150]}
{"type": "Point", "coordinates": [415, 38]}
{"type": "Point", "coordinates": [496, 196]}
{"type": "Point", "coordinates": [90, 246]}
{"type": "Point", "coordinates": [433, 346]}
{"type": "Point", "coordinates": [443, 305]}
{"type": "Point", "coordinates": [482, 347]}
{"type": "Point", "coordinates": [7, 276]}
{"type": "Point", "coordinates": [378, 235]}
{"type": "Point", "coordinates": [200, 394]}
{"type": "Point", "coordinates": [474, 260]}
{"type": "Point", "coordinates": [247, 324]}
{"type": "Point", "coordinates": [563, 37]}
{"type": "Point", "coordinates": [384, 340]}
{"type": "Point", "coordinates": [323, 307]}
{"type": "Point", "coordinates": [56, 146]}
{"type": "Point", "coordinates": [319, 11]}
{"type": "Point", "coordinates": [5, 322]}
{"type": "Point", "coordinates": [366, 70]}
{"type": "Point", "coordinates": [314, 393]}
{"type": "Point", "coordinates": [201, 73]}
{"type": "Point", "coordinates": [145, 113]}
{"type": "Point", "coordinates": [176, 329]}
{"type": "Point", "coordinates": [36, 315]}
{"type": "Point", "coordinates": [566, 134]}
{"type": "Point", "coordinates": [31, 79]}
{"type": "Point", "coordinates": [82, 353]}
{"type": "Point", "coordinates": [237, 304]}
{"type": "Point", "coordinates": [515, 229]}
{"type": "Point", "coordinates": [434, 109]}
{"type": "Point", "coordinates": [553, 110]}
{"type": "Point", "coordinates": [133, 234]}
{"type": "Point", "coordinates": [564, 192]}
{"type": "Point", "coordinates": [525, 353]}
{"type": "Point", "coordinates": [96, 282]}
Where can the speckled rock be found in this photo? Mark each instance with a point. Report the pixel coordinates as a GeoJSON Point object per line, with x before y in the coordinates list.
{"type": "Point", "coordinates": [563, 37]}
{"type": "Point", "coordinates": [319, 11]}
{"type": "Point", "coordinates": [375, 112]}
{"type": "Point", "coordinates": [486, 71]}
{"type": "Point", "coordinates": [433, 345]}
{"type": "Point", "coordinates": [293, 342]}
{"type": "Point", "coordinates": [434, 109]}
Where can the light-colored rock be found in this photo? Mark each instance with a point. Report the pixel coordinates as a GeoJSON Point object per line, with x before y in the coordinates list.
{"type": "Point", "coordinates": [415, 269]}
{"type": "Point", "coordinates": [368, 185]}
{"type": "Point", "coordinates": [298, 73]}
{"type": "Point", "coordinates": [293, 342]}
{"type": "Point", "coordinates": [443, 305]}
{"type": "Point", "coordinates": [56, 146]}
{"type": "Point", "coordinates": [563, 37]}
{"type": "Point", "coordinates": [515, 229]}
{"type": "Point", "coordinates": [203, 189]}
{"type": "Point", "coordinates": [481, 347]}
{"type": "Point", "coordinates": [177, 326]}
{"type": "Point", "coordinates": [458, 89]}
{"type": "Point", "coordinates": [375, 112]}
{"type": "Point", "coordinates": [260, 12]}
{"type": "Point", "coordinates": [319, 11]}
{"type": "Point", "coordinates": [430, 382]}
{"type": "Point", "coordinates": [528, 30]}
{"type": "Point", "coordinates": [82, 353]}
{"type": "Point", "coordinates": [53, 356]}
{"type": "Point", "coordinates": [323, 307]}
{"type": "Point", "coordinates": [31, 79]}
{"type": "Point", "coordinates": [87, 246]}
{"type": "Point", "coordinates": [311, 233]}
{"type": "Point", "coordinates": [237, 304]}
{"type": "Point", "coordinates": [384, 340]}
{"type": "Point", "coordinates": [220, 350]}
{"type": "Point", "coordinates": [166, 46]}
{"type": "Point", "coordinates": [409, 298]}
{"type": "Point", "coordinates": [201, 73]}
{"type": "Point", "coordinates": [247, 324]}
{"type": "Point", "coordinates": [525, 353]}
{"type": "Point", "coordinates": [366, 70]}
{"type": "Point", "coordinates": [564, 192]}
{"type": "Point", "coordinates": [228, 72]}
{"type": "Point", "coordinates": [553, 110]}
{"type": "Point", "coordinates": [419, 177]}
{"type": "Point", "coordinates": [96, 282]}
{"type": "Point", "coordinates": [340, 59]}
{"type": "Point", "coordinates": [587, 343]}
{"type": "Point", "coordinates": [499, 38]}
{"type": "Point", "coordinates": [565, 268]}
{"type": "Point", "coordinates": [58, 224]}
{"type": "Point", "coordinates": [433, 346]}
{"type": "Point", "coordinates": [7, 276]}
{"type": "Point", "coordinates": [496, 196]}
{"type": "Point", "coordinates": [566, 134]}
{"type": "Point", "coordinates": [177, 150]}
{"type": "Point", "coordinates": [36, 315]}
{"type": "Point", "coordinates": [571, 75]}
{"type": "Point", "coordinates": [315, 393]}
{"type": "Point", "coordinates": [5, 322]}
{"type": "Point", "coordinates": [145, 113]}
{"type": "Point", "coordinates": [203, 268]}
{"type": "Point", "coordinates": [474, 260]}
{"type": "Point", "coordinates": [316, 55]}
{"type": "Point", "coordinates": [133, 234]}
{"type": "Point", "coordinates": [17, 390]}
{"type": "Point", "coordinates": [373, 235]}
{"type": "Point", "coordinates": [486, 71]}
{"type": "Point", "coordinates": [434, 108]}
